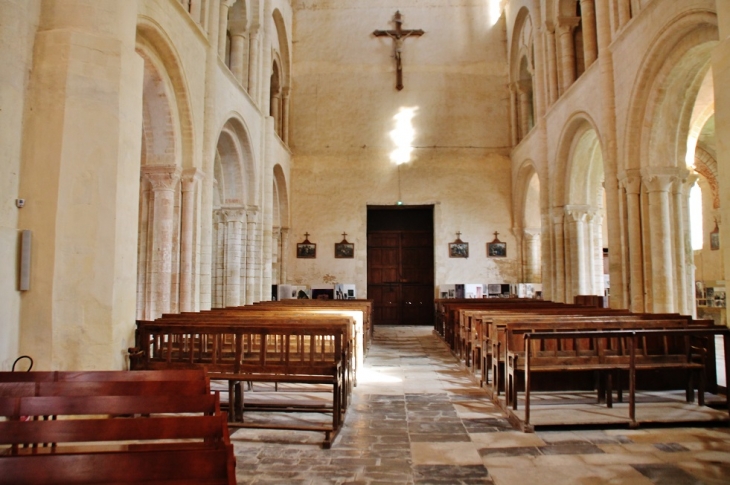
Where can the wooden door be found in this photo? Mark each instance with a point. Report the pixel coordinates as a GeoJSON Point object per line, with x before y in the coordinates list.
{"type": "Point", "coordinates": [400, 277]}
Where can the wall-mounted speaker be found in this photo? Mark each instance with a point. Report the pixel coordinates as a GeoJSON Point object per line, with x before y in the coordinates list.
{"type": "Point", "coordinates": [25, 246]}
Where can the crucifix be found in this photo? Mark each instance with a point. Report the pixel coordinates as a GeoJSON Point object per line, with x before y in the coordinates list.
{"type": "Point", "coordinates": [399, 36]}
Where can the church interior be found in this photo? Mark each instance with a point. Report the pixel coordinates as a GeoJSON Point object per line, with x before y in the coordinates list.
{"type": "Point", "coordinates": [170, 156]}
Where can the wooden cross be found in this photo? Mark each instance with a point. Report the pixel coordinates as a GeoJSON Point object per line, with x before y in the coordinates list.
{"type": "Point", "coordinates": [306, 236]}
{"type": "Point", "coordinates": [458, 235]}
{"type": "Point", "coordinates": [399, 36]}
{"type": "Point", "coordinates": [495, 236]}
{"type": "Point", "coordinates": [344, 236]}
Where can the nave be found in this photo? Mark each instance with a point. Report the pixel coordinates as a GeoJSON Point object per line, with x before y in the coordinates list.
{"type": "Point", "coordinates": [417, 417]}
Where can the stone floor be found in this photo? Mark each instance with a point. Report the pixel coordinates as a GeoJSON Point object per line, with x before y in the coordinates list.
{"type": "Point", "coordinates": [417, 417]}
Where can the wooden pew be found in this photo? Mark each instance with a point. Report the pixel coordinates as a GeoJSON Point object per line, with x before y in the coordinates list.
{"type": "Point", "coordinates": [365, 306]}
{"type": "Point", "coordinates": [243, 349]}
{"type": "Point", "coordinates": [632, 354]}
{"type": "Point", "coordinates": [88, 445]}
{"type": "Point", "coordinates": [586, 355]}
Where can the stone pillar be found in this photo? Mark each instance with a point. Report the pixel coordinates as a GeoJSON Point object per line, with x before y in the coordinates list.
{"type": "Point", "coordinates": [164, 180]}
{"type": "Point", "coordinates": [285, 116]}
{"type": "Point", "coordinates": [559, 244]}
{"type": "Point", "coordinates": [579, 248]}
{"type": "Point", "coordinates": [552, 68]}
{"type": "Point", "coordinates": [567, 51]}
{"type": "Point", "coordinates": [223, 28]}
{"type": "Point", "coordinates": [219, 260]}
{"type": "Point", "coordinates": [513, 114]}
{"type": "Point", "coordinates": [284, 256]}
{"type": "Point", "coordinates": [275, 255]}
{"type": "Point", "coordinates": [631, 182]}
{"type": "Point", "coordinates": [721, 79]}
{"type": "Point", "coordinates": [523, 96]}
{"type": "Point", "coordinates": [234, 218]}
{"type": "Point", "coordinates": [658, 182]}
{"type": "Point", "coordinates": [252, 255]}
{"type": "Point", "coordinates": [238, 44]}
{"type": "Point", "coordinates": [617, 270]}
{"type": "Point", "coordinates": [590, 46]}
{"type": "Point", "coordinates": [595, 221]}
{"type": "Point", "coordinates": [195, 9]}
{"type": "Point", "coordinates": [679, 253]}
{"type": "Point", "coordinates": [624, 12]}
{"type": "Point", "coordinates": [253, 70]}
{"type": "Point", "coordinates": [190, 179]}
{"type": "Point", "coordinates": [276, 112]}
{"type": "Point", "coordinates": [532, 241]}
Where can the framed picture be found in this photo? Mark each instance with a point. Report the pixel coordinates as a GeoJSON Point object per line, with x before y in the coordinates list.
{"type": "Point", "coordinates": [459, 250]}
{"type": "Point", "coordinates": [344, 250]}
{"type": "Point", "coordinates": [497, 249]}
{"type": "Point", "coordinates": [306, 250]}
{"type": "Point", "coordinates": [714, 241]}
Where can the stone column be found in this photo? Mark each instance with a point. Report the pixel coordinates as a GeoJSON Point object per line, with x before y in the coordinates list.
{"type": "Point", "coordinates": [276, 112]}
{"type": "Point", "coordinates": [234, 218]}
{"type": "Point", "coordinates": [687, 255]}
{"type": "Point", "coordinates": [238, 44]}
{"type": "Point", "coordinates": [253, 70]}
{"type": "Point", "coordinates": [658, 182]}
{"type": "Point", "coordinates": [624, 12]}
{"type": "Point", "coordinates": [163, 180]}
{"type": "Point", "coordinates": [559, 244]}
{"type": "Point", "coordinates": [551, 63]}
{"type": "Point", "coordinates": [513, 114]}
{"type": "Point", "coordinates": [680, 256]}
{"type": "Point", "coordinates": [195, 10]}
{"type": "Point", "coordinates": [532, 241]}
{"type": "Point", "coordinates": [223, 28]}
{"type": "Point", "coordinates": [579, 248]}
{"type": "Point", "coordinates": [285, 116]}
{"type": "Point", "coordinates": [590, 46]}
{"type": "Point", "coordinates": [567, 51]}
{"type": "Point", "coordinates": [218, 260]}
{"type": "Point", "coordinates": [523, 95]}
{"type": "Point", "coordinates": [252, 254]}
{"type": "Point", "coordinates": [275, 255]}
{"type": "Point", "coordinates": [595, 221]}
{"type": "Point", "coordinates": [190, 179]}
{"type": "Point", "coordinates": [631, 181]}
{"type": "Point", "coordinates": [284, 255]}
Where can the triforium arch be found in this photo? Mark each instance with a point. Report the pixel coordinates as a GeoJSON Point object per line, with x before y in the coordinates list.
{"type": "Point", "coordinates": [280, 86]}
{"type": "Point", "coordinates": [527, 216]}
{"type": "Point", "coordinates": [579, 212]}
{"type": "Point", "coordinates": [280, 227]}
{"type": "Point", "coordinates": [522, 69]}
{"type": "Point", "coordinates": [656, 178]}
{"type": "Point", "coordinates": [165, 235]}
{"type": "Point", "coordinates": [235, 216]}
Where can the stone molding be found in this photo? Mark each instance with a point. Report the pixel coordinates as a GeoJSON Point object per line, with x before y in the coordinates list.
{"type": "Point", "coordinates": [162, 177]}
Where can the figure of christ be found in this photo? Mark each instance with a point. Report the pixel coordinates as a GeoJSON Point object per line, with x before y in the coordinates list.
{"type": "Point", "coordinates": [399, 36]}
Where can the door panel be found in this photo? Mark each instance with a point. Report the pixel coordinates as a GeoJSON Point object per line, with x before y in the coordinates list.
{"type": "Point", "coordinates": [400, 277]}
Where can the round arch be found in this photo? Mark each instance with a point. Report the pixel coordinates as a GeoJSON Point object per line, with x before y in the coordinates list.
{"type": "Point", "coordinates": [674, 68]}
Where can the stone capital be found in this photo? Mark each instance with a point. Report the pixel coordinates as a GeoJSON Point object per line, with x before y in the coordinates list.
{"type": "Point", "coordinates": [233, 214]}
{"type": "Point", "coordinates": [532, 232]}
{"type": "Point", "coordinates": [660, 179]}
{"type": "Point", "coordinates": [567, 24]}
{"type": "Point", "coordinates": [251, 212]}
{"type": "Point", "coordinates": [162, 177]}
{"type": "Point", "coordinates": [631, 181]}
{"type": "Point", "coordinates": [190, 176]}
{"type": "Point", "coordinates": [579, 212]}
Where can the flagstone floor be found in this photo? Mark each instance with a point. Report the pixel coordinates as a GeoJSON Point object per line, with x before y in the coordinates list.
{"type": "Point", "coordinates": [417, 417]}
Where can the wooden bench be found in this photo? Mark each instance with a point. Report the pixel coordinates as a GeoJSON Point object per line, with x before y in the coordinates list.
{"type": "Point", "coordinates": [621, 350]}
{"type": "Point", "coordinates": [583, 354]}
{"type": "Point", "coordinates": [238, 349]}
{"type": "Point", "coordinates": [275, 310]}
{"type": "Point", "coordinates": [184, 441]}
{"type": "Point", "coordinates": [363, 305]}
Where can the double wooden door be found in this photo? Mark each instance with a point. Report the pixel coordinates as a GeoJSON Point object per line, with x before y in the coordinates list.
{"type": "Point", "coordinates": [400, 277]}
